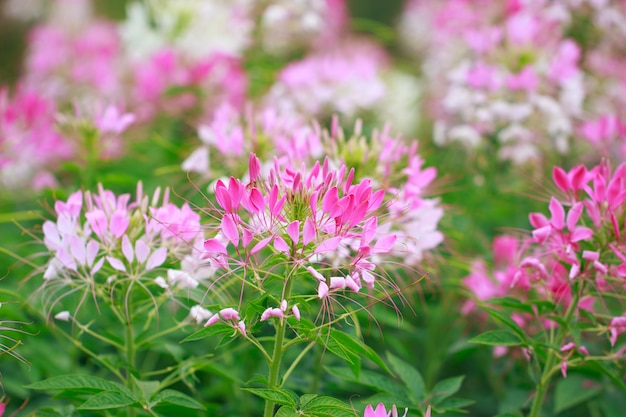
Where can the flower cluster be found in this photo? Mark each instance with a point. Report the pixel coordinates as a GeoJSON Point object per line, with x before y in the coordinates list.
{"type": "Point", "coordinates": [574, 259]}
{"type": "Point", "coordinates": [104, 239]}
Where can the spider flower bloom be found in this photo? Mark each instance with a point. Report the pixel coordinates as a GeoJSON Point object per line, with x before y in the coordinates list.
{"type": "Point", "coordinates": [306, 215]}
{"type": "Point", "coordinates": [99, 234]}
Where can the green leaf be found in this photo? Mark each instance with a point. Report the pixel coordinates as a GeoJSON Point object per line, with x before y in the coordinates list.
{"type": "Point", "coordinates": [454, 405]}
{"type": "Point", "coordinates": [276, 395]}
{"type": "Point", "coordinates": [343, 347]}
{"type": "Point", "coordinates": [446, 388]}
{"type": "Point", "coordinates": [497, 338]}
{"type": "Point", "coordinates": [78, 383]}
{"type": "Point", "coordinates": [107, 400]}
{"type": "Point", "coordinates": [367, 378]}
{"type": "Point", "coordinates": [286, 411]}
{"type": "Point", "coordinates": [327, 406]}
{"type": "Point", "coordinates": [507, 321]}
{"type": "Point", "coordinates": [410, 376]}
{"type": "Point", "coordinates": [172, 397]}
{"type": "Point", "coordinates": [215, 329]}
{"type": "Point", "coordinates": [148, 388]}
{"type": "Point", "coordinates": [572, 391]}
{"type": "Point", "coordinates": [604, 368]}
{"type": "Point", "coordinates": [306, 398]}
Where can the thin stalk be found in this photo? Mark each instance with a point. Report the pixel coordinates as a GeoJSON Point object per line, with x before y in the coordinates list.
{"type": "Point", "coordinates": [129, 348]}
{"type": "Point", "coordinates": [548, 369]}
{"type": "Point", "coordinates": [277, 355]}
{"type": "Point", "coordinates": [297, 360]}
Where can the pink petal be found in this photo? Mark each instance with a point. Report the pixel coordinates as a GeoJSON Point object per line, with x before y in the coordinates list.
{"type": "Point", "coordinates": [564, 369]}
{"type": "Point", "coordinates": [261, 245]}
{"type": "Point", "coordinates": [581, 233]}
{"type": "Point", "coordinates": [229, 229]}
{"type": "Point", "coordinates": [330, 199]}
{"type": "Point", "coordinates": [215, 246]}
{"type": "Point", "coordinates": [573, 215]}
{"type": "Point", "coordinates": [337, 283]}
{"type": "Point", "coordinates": [293, 230]}
{"type": "Point", "coordinates": [229, 314]}
{"type": "Point", "coordinates": [560, 178]}
{"type": "Point", "coordinates": [92, 251]}
{"type": "Point", "coordinates": [254, 167]}
{"type": "Point", "coordinates": [558, 214]}
{"type": "Point", "coordinates": [116, 263]}
{"type": "Point", "coordinates": [127, 249]}
{"type": "Point", "coordinates": [542, 234]}
{"type": "Point", "coordinates": [280, 244]}
{"type": "Point", "coordinates": [222, 196]}
{"type": "Point", "coordinates": [296, 312]}
{"type": "Point", "coordinates": [77, 249]}
{"type": "Point", "coordinates": [328, 245]}
{"type": "Point", "coordinates": [119, 224]}
{"type": "Point", "coordinates": [384, 244]}
{"type": "Point", "coordinates": [256, 200]}
{"type": "Point", "coordinates": [322, 290]}
{"type": "Point", "coordinates": [315, 274]}
{"type": "Point", "coordinates": [308, 232]}
{"type": "Point", "coordinates": [538, 220]}
{"type": "Point", "coordinates": [212, 320]}
{"type": "Point", "coordinates": [98, 221]}
{"type": "Point", "coordinates": [141, 250]}
{"type": "Point", "coordinates": [156, 259]}
{"type": "Point", "coordinates": [577, 176]}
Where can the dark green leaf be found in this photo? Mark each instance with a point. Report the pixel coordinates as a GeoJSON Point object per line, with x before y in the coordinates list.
{"type": "Point", "coordinates": [446, 388]}
{"type": "Point", "coordinates": [276, 395]}
{"type": "Point", "coordinates": [107, 400]}
{"type": "Point", "coordinates": [497, 338]}
{"type": "Point", "coordinates": [172, 397]}
{"type": "Point", "coordinates": [507, 321]}
{"type": "Point", "coordinates": [286, 411]}
{"type": "Point", "coordinates": [78, 383]}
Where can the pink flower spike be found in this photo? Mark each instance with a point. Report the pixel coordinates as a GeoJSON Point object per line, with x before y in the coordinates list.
{"type": "Point", "coordinates": [568, 346]}
{"type": "Point", "coordinates": [215, 246]}
{"type": "Point", "coordinates": [564, 369]}
{"type": "Point", "coordinates": [296, 312]}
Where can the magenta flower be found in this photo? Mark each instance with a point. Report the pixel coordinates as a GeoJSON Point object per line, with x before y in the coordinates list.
{"type": "Point", "coordinates": [380, 411]}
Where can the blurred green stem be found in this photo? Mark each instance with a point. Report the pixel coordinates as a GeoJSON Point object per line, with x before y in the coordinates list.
{"type": "Point", "coordinates": [552, 359]}
{"type": "Point", "coordinates": [277, 355]}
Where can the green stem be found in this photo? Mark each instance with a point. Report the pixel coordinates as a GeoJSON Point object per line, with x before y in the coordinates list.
{"type": "Point", "coordinates": [548, 369]}
{"type": "Point", "coordinates": [277, 355]}
{"type": "Point", "coordinates": [129, 348]}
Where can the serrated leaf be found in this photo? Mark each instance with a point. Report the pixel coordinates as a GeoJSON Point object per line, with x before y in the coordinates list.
{"type": "Point", "coordinates": [572, 391]}
{"type": "Point", "coordinates": [286, 411]}
{"type": "Point", "coordinates": [446, 388]}
{"type": "Point", "coordinates": [410, 376]}
{"type": "Point", "coordinates": [107, 400]}
{"type": "Point", "coordinates": [304, 399]}
{"type": "Point", "coordinates": [84, 383]}
{"type": "Point", "coordinates": [172, 397]}
{"type": "Point", "coordinates": [497, 338]}
{"type": "Point", "coordinates": [276, 395]}
{"type": "Point", "coordinates": [215, 329]}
